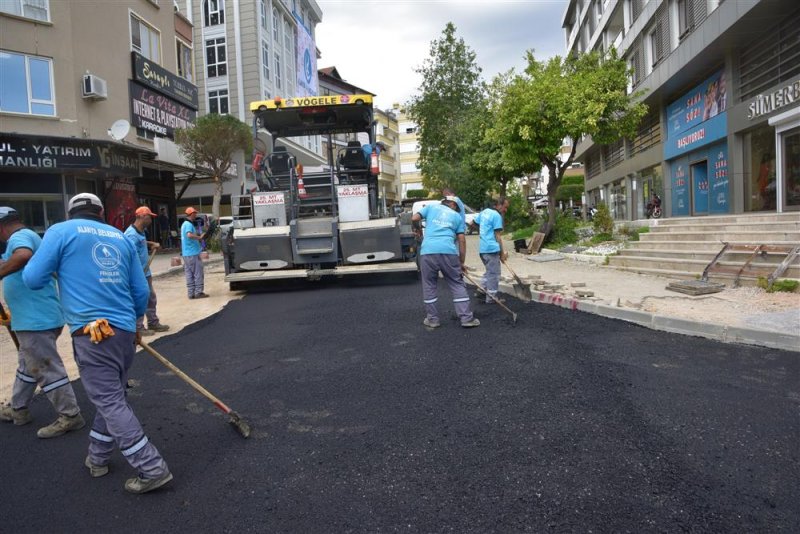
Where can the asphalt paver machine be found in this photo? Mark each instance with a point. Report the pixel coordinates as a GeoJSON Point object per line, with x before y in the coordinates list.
{"type": "Point", "coordinates": [325, 222]}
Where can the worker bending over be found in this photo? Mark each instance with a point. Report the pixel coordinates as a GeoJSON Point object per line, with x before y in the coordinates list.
{"type": "Point", "coordinates": [444, 249]}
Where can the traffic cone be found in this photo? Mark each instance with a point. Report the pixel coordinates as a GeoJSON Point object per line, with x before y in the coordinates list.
{"type": "Point", "coordinates": [374, 169]}
{"type": "Point", "coordinates": [301, 188]}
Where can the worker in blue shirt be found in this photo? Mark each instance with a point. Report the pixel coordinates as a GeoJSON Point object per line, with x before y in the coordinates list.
{"type": "Point", "coordinates": [135, 233]}
{"type": "Point", "coordinates": [444, 249]}
{"type": "Point", "coordinates": [448, 192]}
{"type": "Point", "coordinates": [103, 291]}
{"type": "Point", "coordinates": [36, 321]}
{"type": "Point", "coordinates": [190, 250]}
{"type": "Point", "coordinates": [491, 250]}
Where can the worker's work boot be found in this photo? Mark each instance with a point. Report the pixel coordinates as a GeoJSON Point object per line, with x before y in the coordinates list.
{"type": "Point", "coordinates": [158, 327]}
{"type": "Point", "coordinates": [471, 324]}
{"type": "Point", "coordinates": [95, 471]}
{"type": "Point", "coordinates": [61, 426]}
{"type": "Point", "coordinates": [145, 332]}
{"type": "Point", "coordinates": [201, 296]}
{"type": "Point", "coordinates": [143, 485]}
{"type": "Point", "coordinates": [431, 323]}
{"type": "Point", "coordinates": [18, 417]}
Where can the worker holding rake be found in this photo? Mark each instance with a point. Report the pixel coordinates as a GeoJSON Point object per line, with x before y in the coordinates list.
{"type": "Point", "coordinates": [490, 248]}
{"type": "Point", "coordinates": [103, 291]}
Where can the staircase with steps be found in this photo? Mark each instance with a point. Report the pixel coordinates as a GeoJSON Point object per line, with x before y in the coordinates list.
{"type": "Point", "coordinates": [682, 247]}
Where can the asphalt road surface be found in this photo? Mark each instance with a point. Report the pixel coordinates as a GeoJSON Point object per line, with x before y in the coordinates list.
{"type": "Point", "coordinates": [364, 421]}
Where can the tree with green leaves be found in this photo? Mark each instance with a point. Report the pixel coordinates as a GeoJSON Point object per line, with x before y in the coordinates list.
{"type": "Point", "coordinates": [211, 144]}
{"type": "Point", "coordinates": [566, 98]}
{"type": "Point", "coordinates": [491, 157]}
{"type": "Point", "coordinates": [444, 110]}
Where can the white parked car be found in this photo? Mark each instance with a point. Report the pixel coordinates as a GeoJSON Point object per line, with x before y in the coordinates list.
{"type": "Point", "coordinates": [469, 212]}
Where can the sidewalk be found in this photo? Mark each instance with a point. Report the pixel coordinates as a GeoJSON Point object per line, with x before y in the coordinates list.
{"type": "Point", "coordinates": [744, 315]}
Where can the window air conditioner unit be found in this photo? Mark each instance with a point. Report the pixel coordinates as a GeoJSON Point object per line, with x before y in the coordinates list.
{"type": "Point", "coordinates": [94, 87]}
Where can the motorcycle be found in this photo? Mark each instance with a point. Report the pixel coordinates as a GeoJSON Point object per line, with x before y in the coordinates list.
{"type": "Point", "coordinates": [653, 210]}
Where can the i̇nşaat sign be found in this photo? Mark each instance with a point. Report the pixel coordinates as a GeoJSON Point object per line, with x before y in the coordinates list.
{"type": "Point", "coordinates": [156, 77]}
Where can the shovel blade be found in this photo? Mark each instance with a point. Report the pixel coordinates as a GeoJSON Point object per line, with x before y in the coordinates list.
{"type": "Point", "coordinates": [523, 292]}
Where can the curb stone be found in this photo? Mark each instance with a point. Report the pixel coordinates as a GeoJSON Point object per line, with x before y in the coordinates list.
{"type": "Point", "coordinates": [725, 334]}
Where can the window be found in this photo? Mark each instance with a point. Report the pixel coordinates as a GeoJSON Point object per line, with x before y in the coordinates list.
{"type": "Point", "coordinates": [265, 59]}
{"type": "Point", "coordinates": [278, 77]}
{"type": "Point", "coordinates": [26, 84]}
{"type": "Point", "coordinates": [408, 147]}
{"type": "Point", "coordinates": [218, 101]}
{"type": "Point", "coordinates": [684, 20]}
{"type": "Point", "coordinates": [213, 12]}
{"type": "Point", "coordinates": [145, 39]}
{"type": "Point", "coordinates": [32, 9]}
{"type": "Point", "coordinates": [408, 167]}
{"type": "Point", "coordinates": [185, 66]}
{"type": "Point", "coordinates": [215, 57]}
{"type": "Point", "coordinates": [276, 29]}
{"type": "Point", "coordinates": [263, 8]}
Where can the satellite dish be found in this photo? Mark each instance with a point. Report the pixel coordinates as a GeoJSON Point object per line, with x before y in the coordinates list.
{"type": "Point", "coordinates": [119, 129]}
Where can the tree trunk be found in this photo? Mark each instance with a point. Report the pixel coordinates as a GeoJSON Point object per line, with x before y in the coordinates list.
{"type": "Point", "coordinates": [217, 197]}
{"type": "Point", "coordinates": [503, 186]}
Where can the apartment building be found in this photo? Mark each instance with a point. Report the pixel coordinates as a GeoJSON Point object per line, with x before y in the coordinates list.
{"type": "Point", "coordinates": [722, 80]}
{"type": "Point", "coordinates": [250, 50]}
{"type": "Point", "coordinates": [408, 153]}
{"type": "Point", "coordinates": [85, 89]}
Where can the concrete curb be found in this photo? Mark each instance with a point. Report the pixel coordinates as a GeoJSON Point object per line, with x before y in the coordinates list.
{"type": "Point", "coordinates": [179, 268]}
{"type": "Point", "coordinates": [677, 325]}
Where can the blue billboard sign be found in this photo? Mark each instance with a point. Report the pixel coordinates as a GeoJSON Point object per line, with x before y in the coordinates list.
{"type": "Point", "coordinates": [702, 103]}
{"type": "Point", "coordinates": [702, 135]}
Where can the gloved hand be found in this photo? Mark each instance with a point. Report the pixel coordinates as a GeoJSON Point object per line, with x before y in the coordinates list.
{"type": "Point", "coordinates": [7, 320]}
{"type": "Point", "coordinates": [98, 330]}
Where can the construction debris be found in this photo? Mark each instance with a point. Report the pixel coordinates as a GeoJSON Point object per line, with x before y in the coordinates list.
{"type": "Point", "coordinates": [695, 287]}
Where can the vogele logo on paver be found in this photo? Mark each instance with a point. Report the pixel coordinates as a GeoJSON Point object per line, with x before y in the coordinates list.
{"type": "Point", "coordinates": [106, 256]}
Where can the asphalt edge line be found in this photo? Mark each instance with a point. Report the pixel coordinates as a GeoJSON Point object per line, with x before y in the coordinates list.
{"type": "Point", "coordinates": [675, 325]}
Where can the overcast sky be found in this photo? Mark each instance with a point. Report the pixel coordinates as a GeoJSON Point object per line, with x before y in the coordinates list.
{"type": "Point", "coordinates": [377, 44]}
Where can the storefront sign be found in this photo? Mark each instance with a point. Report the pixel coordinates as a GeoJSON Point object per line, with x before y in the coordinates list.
{"type": "Point", "coordinates": [156, 77]}
{"type": "Point", "coordinates": [764, 104]}
{"type": "Point", "coordinates": [702, 103]}
{"type": "Point", "coordinates": [679, 171]}
{"type": "Point", "coordinates": [719, 182]}
{"type": "Point", "coordinates": [706, 133]}
{"type": "Point", "coordinates": [157, 113]}
{"type": "Point", "coordinates": [58, 154]}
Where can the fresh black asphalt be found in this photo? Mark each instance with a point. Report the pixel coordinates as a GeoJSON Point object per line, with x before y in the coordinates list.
{"type": "Point", "coordinates": [364, 421]}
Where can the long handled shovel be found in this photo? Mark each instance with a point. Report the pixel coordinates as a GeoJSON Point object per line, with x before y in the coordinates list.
{"type": "Point", "coordinates": [241, 426]}
{"type": "Point", "coordinates": [521, 289]}
{"type": "Point", "coordinates": [152, 255]}
{"type": "Point", "coordinates": [4, 316]}
{"type": "Point", "coordinates": [494, 298]}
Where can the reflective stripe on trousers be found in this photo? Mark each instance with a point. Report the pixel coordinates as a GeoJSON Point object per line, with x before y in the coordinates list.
{"type": "Point", "coordinates": [104, 373]}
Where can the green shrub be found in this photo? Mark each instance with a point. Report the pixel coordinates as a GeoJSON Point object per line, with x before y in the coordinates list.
{"type": "Point", "coordinates": [566, 192]}
{"type": "Point", "coordinates": [564, 231]}
{"type": "Point", "coordinates": [602, 221]}
{"type": "Point", "coordinates": [601, 238]}
{"type": "Point", "coordinates": [517, 216]}
{"type": "Point", "coordinates": [784, 285]}
{"type": "Point", "coordinates": [572, 180]}
{"type": "Point", "coordinates": [523, 233]}
{"type": "Point", "coordinates": [417, 193]}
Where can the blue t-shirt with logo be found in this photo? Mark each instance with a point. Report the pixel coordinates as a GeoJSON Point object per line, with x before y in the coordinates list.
{"type": "Point", "coordinates": [99, 273]}
{"type": "Point", "coordinates": [442, 224]}
{"type": "Point", "coordinates": [30, 310]}
{"type": "Point", "coordinates": [139, 241]}
{"type": "Point", "coordinates": [189, 247]}
{"type": "Point", "coordinates": [489, 221]}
